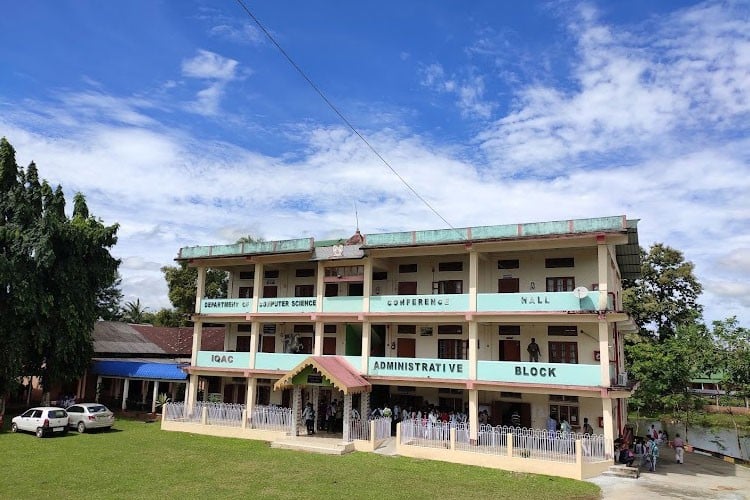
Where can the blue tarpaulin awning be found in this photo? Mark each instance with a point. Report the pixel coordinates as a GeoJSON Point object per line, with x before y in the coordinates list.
{"type": "Point", "coordinates": [138, 370]}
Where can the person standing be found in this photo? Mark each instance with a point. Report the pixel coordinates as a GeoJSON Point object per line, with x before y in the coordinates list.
{"type": "Point", "coordinates": [533, 350]}
{"type": "Point", "coordinates": [679, 448]}
{"type": "Point", "coordinates": [515, 419]}
{"type": "Point", "coordinates": [587, 429]}
{"type": "Point", "coordinates": [308, 414]}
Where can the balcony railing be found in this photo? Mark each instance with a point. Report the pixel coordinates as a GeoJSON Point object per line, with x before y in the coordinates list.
{"type": "Point", "coordinates": [405, 368]}
{"type": "Point", "coordinates": [400, 304]}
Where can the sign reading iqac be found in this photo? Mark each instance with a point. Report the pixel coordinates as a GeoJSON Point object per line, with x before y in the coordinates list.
{"type": "Point", "coordinates": [222, 358]}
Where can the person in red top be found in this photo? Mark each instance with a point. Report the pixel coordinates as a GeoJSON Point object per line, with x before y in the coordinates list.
{"type": "Point", "coordinates": [679, 449]}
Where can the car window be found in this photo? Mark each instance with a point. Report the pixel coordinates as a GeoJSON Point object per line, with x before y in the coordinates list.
{"type": "Point", "coordinates": [75, 409]}
{"type": "Point", "coordinates": [28, 413]}
{"type": "Point", "coordinates": [57, 414]}
{"type": "Point", "coordinates": [37, 414]}
{"type": "Point", "coordinates": [97, 409]}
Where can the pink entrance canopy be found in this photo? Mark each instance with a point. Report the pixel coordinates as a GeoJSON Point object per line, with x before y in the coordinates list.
{"type": "Point", "coordinates": [337, 370]}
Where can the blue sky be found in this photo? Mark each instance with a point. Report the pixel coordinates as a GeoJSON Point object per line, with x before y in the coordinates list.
{"type": "Point", "coordinates": [180, 121]}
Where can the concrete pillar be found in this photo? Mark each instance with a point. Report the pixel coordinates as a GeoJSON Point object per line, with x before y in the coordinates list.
{"type": "Point", "coordinates": [316, 404]}
{"type": "Point", "coordinates": [473, 352]}
{"type": "Point", "coordinates": [366, 343]}
{"type": "Point", "coordinates": [347, 416]}
{"type": "Point", "coordinates": [98, 388]}
{"type": "Point", "coordinates": [367, 285]}
{"type": "Point", "coordinates": [318, 340]}
{"type": "Point", "coordinates": [198, 325]}
{"type": "Point", "coordinates": [296, 408]}
{"type": "Point", "coordinates": [473, 279]}
{"type": "Point", "coordinates": [257, 285]}
{"type": "Point", "coordinates": [251, 396]}
{"type": "Point", "coordinates": [364, 405]}
{"type": "Point", "coordinates": [154, 396]}
{"type": "Point", "coordinates": [254, 339]}
{"type": "Point", "coordinates": [609, 425]}
{"type": "Point", "coordinates": [191, 394]}
{"type": "Point", "coordinates": [125, 391]}
{"type": "Point", "coordinates": [473, 416]}
{"type": "Point", "coordinates": [602, 260]}
{"type": "Point", "coordinates": [604, 354]}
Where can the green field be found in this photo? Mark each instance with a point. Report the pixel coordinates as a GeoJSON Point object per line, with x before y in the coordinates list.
{"type": "Point", "coordinates": [138, 460]}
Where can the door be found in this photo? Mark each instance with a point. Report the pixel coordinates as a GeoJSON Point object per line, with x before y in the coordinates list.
{"type": "Point", "coordinates": [267, 343]}
{"type": "Point", "coordinates": [407, 287]}
{"type": "Point", "coordinates": [406, 348]}
{"type": "Point", "coordinates": [510, 350]}
{"type": "Point", "coordinates": [243, 343]}
{"type": "Point", "coordinates": [332, 290]}
{"type": "Point", "coordinates": [270, 292]}
{"type": "Point", "coordinates": [508, 285]}
{"type": "Point", "coordinates": [377, 340]}
{"type": "Point", "coordinates": [307, 345]}
{"type": "Point", "coordinates": [329, 345]}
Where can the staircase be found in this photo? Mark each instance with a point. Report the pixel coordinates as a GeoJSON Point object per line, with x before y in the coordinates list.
{"type": "Point", "coordinates": [621, 470]}
{"type": "Point", "coordinates": [326, 446]}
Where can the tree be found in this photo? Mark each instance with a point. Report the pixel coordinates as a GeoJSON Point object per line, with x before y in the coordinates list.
{"type": "Point", "coordinates": [664, 369]}
{"type": "Point", "coordinates": [169, 317]}
{"type": "Point", "coordinates": [108, 301]}
{"type": "Point", "coordinates": [52, 270]}
{"type": "Point", "coordinates": [733, 353]}
{"type": "Point", "coordinates": [133, 312]}
{"type": "Point", "coordinates": [666, 294]}
{"type": "Point", "coordinates": [182, 282]}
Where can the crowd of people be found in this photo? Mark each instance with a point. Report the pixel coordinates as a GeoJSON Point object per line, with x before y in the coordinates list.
{"type": "Point", "coordinates": [646, 449]}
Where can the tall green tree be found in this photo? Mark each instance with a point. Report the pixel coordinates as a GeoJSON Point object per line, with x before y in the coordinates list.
{"type": "Point", "coordinates": [733, 356]}
{"type": "Point", "coordinates": [134, 312]}
{"type": "Point", "coordinates": [109, 301]}
{"type": "Point", "coordinates": [182, 282]}
{"type": "Point", "coordinates": [52, 269]}
{"type": "Point", "coordinates": [666, 295]}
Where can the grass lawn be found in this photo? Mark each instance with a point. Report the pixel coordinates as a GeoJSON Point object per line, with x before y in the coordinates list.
{"type": "Point", "coordinates": [138, 460]}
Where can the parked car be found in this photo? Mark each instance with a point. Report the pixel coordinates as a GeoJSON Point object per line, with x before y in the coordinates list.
{"type": "Point", "coordinates": [86, 416]}
{"type": "Point", "coordinates": [42, 421]}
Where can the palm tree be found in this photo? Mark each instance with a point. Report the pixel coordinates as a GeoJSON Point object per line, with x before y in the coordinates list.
{"type": "Point", "coordinates": [133, 312]}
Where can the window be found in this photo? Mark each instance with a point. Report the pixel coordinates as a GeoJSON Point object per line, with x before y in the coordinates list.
{"type": "Point", "coordinates": [564, 330]}
{"type": "Point", "coordinates": [509, 329]}
{"type": "Point", "coordinates": [328, 328]}
{"type": "Point", "coordinates": [450, 329]}
{"type": "Point", "coordinates": [245, 292]}
{"type": "Point", "coordinates": [451, 404]}
{"type": "Point", "coordinates": [561, 284]}
{"type": "Point", "coordinates": [561, 397]}
{"type": "Point", "coordinates": [563, 352]}
{"type": "Point", "coordinates": [304, 273]}
{"type": "Point", "coordinates": [243, 343]}
{"type": "Point", "coordinates": [304, 328]}
{"type": "Point", "coordinates": [511, 395]}
{"type": "Point", "coordinates": [559, 262]}
{"type": "Point", "coordinates": [244, 328]}
{"type": "Point", "coordinates": [406, 329]}
{"type": "Point", "coordinates": [271, 274]}
{"type": "Point", "coordinates": [448, 390]}
{"type": "Point", "coordinates": [507, 264]}
{"type": "Point", "coordinates": [451, 349]}
{"type": "Point", "coordinates": [269, 328]}
{"type": "Point", "coordinates": [247, 275]}
{"type": "Point", "coordinates": [566, 412]}
{"type": "Point", "coordinates": [356, 290]}
{"type": "Point", "coordinates": [406, 388]}
{"type": "Point", "coordinates": [332, 290]}
{"type": "Point", "coordinates": [450, 266]}
{"type": "Point", "coordinates": [448, 286]}
{"type": "Point", "coordinates": [379, 276]}
{"type": "Point", "coordinates": [407, 268]}
{"type": "Point", "coordinates": [304, 290]}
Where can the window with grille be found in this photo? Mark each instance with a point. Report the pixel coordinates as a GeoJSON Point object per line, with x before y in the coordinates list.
{"type": "Point", "coordinates": [406, 329]}
{"type": "Point", "coordinates": [247, 275]}
{"type": "Point", "coordinates": [407, 268]}
{"type": "Point", "coordinates": [561, 284]}
{"type": "Point", "coordinates": [245, 292]}
{"type": "Point", "coordinates": [559, 262]}
{"type": "Point", "coordinates": [509, 329]}
{"type": "Point", "coordinates": [508, 264]}
{"type": "Point", "coordinates": [447, 287]}
{"type": "Point", "coordinates": [271, 274]}
{"type": "Point", "coordinates": [304, 273]}
{"type": "Point", "coordinates": [563, 352]}
{"type": "Point", "coordinates": [450, 329]}
{"type": "Point", "coordinates": [450, 266]}
{"type": "Point", "coordinates": [566, 412]}
{"type": "Point", "coordinates": [452, 349]}
{"type": "Point", "coordinates": [562, 330]}
{"type": "Point", "coordinates": [304, 290]}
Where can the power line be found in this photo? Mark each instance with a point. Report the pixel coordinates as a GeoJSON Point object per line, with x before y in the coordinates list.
{"type": "Point", "coordinates": [340, 115]}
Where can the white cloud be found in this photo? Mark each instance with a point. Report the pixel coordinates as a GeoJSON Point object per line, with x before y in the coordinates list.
{"type": "Point", "coordinates": [469, 91]}
{"type": "Point", "coordinates": [243, 33]}
{"type": "Point", "coordinates": [209, 65]}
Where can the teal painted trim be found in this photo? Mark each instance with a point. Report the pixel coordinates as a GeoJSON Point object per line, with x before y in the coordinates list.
{"type": "Point", "coordinates": [440, 236]}
{"type": "Point", "coordinates": [599, 224]}
{"type": "Point", "coordinates": [221, 250]}
{"type": "Point", "coordinates": [278, 361]}
{"type": "Point", "coordinates": [539, 373]}
{"type": "Point", "coordinates": [355, 361]}
{"type": "Point", "coordinates": [224, 306]}
{"type": "Point", "coordinates": [389, 239]}
{"type": "Point", "coordinates": [257, 247]}
{"type": "Point", "coordinates": [194, 252]}
{"type": "Point", "coordinates": [222, 359]}
{"type": "Point", "coordinates": [455, 369]}
{"type": "Point", "coordinates": [288, 305]}
{"type": "Point", "coordinates": [494, 232]}
{"type": "Point", "coordinates": [342, 304]}
{"type": "Point", "coordinates": [544, 301]}
{"type": "Point", "coordinates": [419, 303]}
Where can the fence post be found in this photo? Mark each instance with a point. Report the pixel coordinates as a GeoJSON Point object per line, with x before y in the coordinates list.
{"type": "Point", "coordinates": [372, 432]}
{"type": "Point", "coordinates": [509, 443]}
{"type": "Point", "coordinates": [579, 458]}
{"type": "Point", "coordinates": [453, 439]}
{"type": "Point", "coordinates": [398, 435]}
{"type": "Point", "coordinates": [204, 415]}
{"type": "Point", "coordinates": [244, 419]}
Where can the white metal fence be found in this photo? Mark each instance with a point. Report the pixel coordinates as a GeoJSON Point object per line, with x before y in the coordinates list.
{"type": "Point", "coordinates": [382, 428]}
{"type": "Point", "coordinates": [225, 414]}
{"type": "Point", "coordinates": [359, 429]}
{"type": "Point", "coordinates": [271, 418]}
{"type": "Point", "coordinates": [539, 444]}
{"type": "Point", "coordinates": [426, 434]}
{"type": "Point", "coordinates": [174, 411]}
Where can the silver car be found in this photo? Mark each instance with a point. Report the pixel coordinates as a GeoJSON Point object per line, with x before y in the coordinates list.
{"type": "Point", "coordinates": [41, 421]}
{"type": "Point", "coordinates": [86, 416]}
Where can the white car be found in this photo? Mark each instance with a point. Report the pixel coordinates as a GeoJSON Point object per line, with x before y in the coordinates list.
{"type": "Point", "coordinates": [85, 416]}
{"type": "Point", "coordinates": [41, 421]}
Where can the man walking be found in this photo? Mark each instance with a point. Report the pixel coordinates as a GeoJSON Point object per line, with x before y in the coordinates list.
{"type": "Point", "coordinates": [679, 448]}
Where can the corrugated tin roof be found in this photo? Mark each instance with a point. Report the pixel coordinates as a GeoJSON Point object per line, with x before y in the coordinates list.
{"type": "Point", "coordinates": [138, 370]}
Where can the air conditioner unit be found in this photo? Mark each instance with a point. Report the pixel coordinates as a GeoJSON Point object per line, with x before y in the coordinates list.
{"type": "Point", "coordinates": [622, 379]}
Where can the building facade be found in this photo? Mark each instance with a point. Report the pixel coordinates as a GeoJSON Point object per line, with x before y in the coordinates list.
{"type": "Point", "coordinates": [488, 321]}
